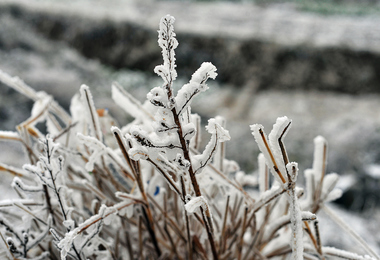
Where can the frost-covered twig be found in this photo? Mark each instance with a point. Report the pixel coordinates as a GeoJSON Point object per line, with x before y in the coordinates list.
{"type": "Point", "coordinates": [128, 103]}
{"type": "Point", "coordinates": [91, 111]}
{"type": "Point", "coordinates": [344, 254]}
{"type": "Point", "coordinates": [296, 215]}
{"type": "Point", "coordinates": [262, 141]}
{"type": "Point", "coordinates": [135, 166]}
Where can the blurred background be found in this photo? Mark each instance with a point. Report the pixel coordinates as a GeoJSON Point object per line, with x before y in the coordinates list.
{"type": "Point", "coordinates": [317, 62]}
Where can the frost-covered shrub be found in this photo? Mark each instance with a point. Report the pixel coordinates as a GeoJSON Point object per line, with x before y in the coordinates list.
{"type": "Point", "coordinates": [92, 190]}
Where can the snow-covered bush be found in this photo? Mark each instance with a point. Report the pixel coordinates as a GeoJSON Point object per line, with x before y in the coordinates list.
{"type": "Point", "coordinates": [92, 190]}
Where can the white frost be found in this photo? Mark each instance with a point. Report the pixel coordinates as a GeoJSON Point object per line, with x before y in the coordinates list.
{"type": "Point", "coordinates": [310, 188]}
{"type": "Point", "coordinates": [245, 179]}
{"type": "Point", "coordinates": [297, 228]}
{"type": "Point", "coordinates": [138, 153]}
{"type": "Point", "coordinates": [90, 109]}
{"type": "Point", "coordinates": [292, 169]}
{"type": "Point", "coordinates": [9, 135]}
{"type": "Point", "coordinates": [263, 174]}
{"type": "Point", "coordinates": [329, 183]}
{"type": "Point", "coordinates": [319, 161]}
{"type": "Point", "coordinates": [195, 203]}
{"type": "Point", "coordinates": [98, 149]}
{"type": "Point", "coordinates": [344, 254]}
{"type": "Point", "coordinates": [128, 103]}
{"type": "Point", "coordinates": [196, 85]}
{"type": "Point", "coordinates": [218, 134]}
{"type": "Point", "coordinates": [262, 141]}
{"type": "Point", "coordinates": [214, 128]}
{"type": "Point", "coordinates": [19, 85]}
{"type": "Point", "coordinates": [334, 195]}
{"type": "Point", "coordinates": [168, 43]}
{"type": "Point", "coordinates": [280, 129]}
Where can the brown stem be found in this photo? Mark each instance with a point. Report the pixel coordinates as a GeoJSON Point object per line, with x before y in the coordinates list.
{"type": "Point", "coordinates": [318, 237]}
{"type": "Point", "coordinates": [194, 182]}
{"type": "Point", "coordinates": [275, 167]}
{"type": "Point", "coordinates": [175, 227]}
{"type": "Point", "coordinates": [148, 216]}
{"type": "Point", "coordinates": [189, 242]}
{"type": "Point", "coordinates": [163, 173]}
{"type": "Point", "coordinates": [146, 210]}
{"type": "Point", "coordinates": [240, 244]}
{"type": "Point", "coordinates": [223, 239]}
{"type": "Point", "coordinates": [174, 248]}
{"type": "Point", "coordinates": [135, 166]}
{"type": "Point", "coordinates": [48, 203]}
{"type": "Point", "coordinates": [318, 190]}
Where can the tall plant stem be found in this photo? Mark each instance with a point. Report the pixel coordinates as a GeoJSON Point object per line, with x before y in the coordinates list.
{"type": "Point", "coordinates": [48, 155]}
{"type": "Point", "coordinates": [135, 166]}
{"type": "Point", "coordinates": [189, 242]}
{"type": "Point", "coordinates": [169, 91]}
{"type": "Point", "coordinates": [48, 203]}
{"type": "Point", "coordinates": [146, 210]}
{"type": "Point", "coordinates": [205, 215]}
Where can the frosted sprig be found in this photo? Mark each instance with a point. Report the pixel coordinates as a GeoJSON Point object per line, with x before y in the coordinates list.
{"type": "Point", "coordinates": [105, 215]}
{"type": "Point", "coordinates": [218, 135]}
{"type": "Point", "coordinates": [98, 147]}
{"type": "Point", "coordinates": [168, 43]}
{"type": "Point", "coordinates": [88, 103]}
{"type": "Point", "coordinates": [196, 85]}
{"type": "Point", "coordinates": [273, 157]}
{"type": "Point", "coordinates": [49, 165]}
{"type": "Point", "coordinates": [17, 182]}
{"type": "Point", "coordinates": [194, 203]}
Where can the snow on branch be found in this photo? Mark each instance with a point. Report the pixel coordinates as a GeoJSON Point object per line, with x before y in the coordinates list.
{"type": "Point", "coordinates": [279, 131]}
{"type": "Point", "coordinates": [285, 220]}
{"type": "Point", "coordinates": [98, 147]}
{"type": "Point", "coordinates": [90, 109]}
{"type": "Point", "coordinates": [216, 129]}
{"type": "Point", "coordinates": [105, 216]}
{"type": "Point", "coordinates": [196, 85]}
{"type": "Point", "coordinates": [262, 141]}
{"type": "Point", "coordinates": [10, 135]}
{"type": "Point", "coordinates": [168, 43]}
{"type": "Point", "coordinates": [194, 203]}
{"type": "Point", "coordinates": [263, 174]}
{"type": "Point", "coordinates": [14, 171]}
{"type": "Point", "coordinates": [320, 156]}
{"type": "Point", "coordinates": [17, 182]}
{"type": "Point", "coordinates": [296, 215]}
{"type": "Point", "coordinates": [128, 103]}
{"type": "Point", "coordinates": [332, 251]}
{"type": "Point", "coordinates": [218, 135]}
{"type": "Point", "coordinates": [17, 84]}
